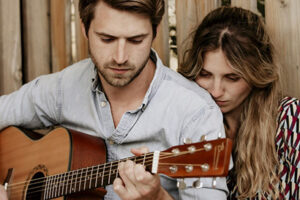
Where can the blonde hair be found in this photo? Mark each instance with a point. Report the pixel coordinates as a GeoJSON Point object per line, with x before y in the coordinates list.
{"type": "Point", "coordinates": [242, 37]}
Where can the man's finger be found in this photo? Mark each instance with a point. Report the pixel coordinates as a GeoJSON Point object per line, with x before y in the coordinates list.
{"type": "Point", "coordinates": [139, 151]}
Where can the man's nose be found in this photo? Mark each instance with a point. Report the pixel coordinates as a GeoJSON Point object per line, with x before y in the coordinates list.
{"type": "Point", "coordinates": [120, 55]}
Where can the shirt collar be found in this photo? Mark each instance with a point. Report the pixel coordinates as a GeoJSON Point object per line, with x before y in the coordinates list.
{"type": "Point", "coordinates": [157, 79]}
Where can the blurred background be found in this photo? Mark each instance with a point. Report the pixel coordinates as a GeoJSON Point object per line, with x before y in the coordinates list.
{"type": "Point", "coordinates": [44, 36]}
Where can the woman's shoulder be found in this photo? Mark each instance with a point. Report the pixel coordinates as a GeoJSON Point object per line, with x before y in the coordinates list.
{"type": "Point", "coordinates": [289, 108]}
{"type": "Point", "coordinates": [288, 146]}
{"type": "Point", "coordinates": [288, 119]}
{"type": "Point", "coordinates": [288, 102]}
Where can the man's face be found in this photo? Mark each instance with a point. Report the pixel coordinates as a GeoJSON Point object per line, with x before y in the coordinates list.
{"type": "Point", "coordinates": [119, 44]}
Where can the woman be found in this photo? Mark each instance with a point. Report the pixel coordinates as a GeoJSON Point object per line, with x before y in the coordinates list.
{"type": "Point", "coordinates": [232, 57]}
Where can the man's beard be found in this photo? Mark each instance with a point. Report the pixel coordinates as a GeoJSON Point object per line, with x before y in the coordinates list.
{"type": "Point", "coordinates": [118, 80]}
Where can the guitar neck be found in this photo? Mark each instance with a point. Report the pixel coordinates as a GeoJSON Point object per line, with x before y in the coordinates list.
{"type": "Point", "coordinates": [88, 178]}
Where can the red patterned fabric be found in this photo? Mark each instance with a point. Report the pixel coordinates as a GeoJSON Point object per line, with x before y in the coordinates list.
{"type": "Point", "coordinates": [288, 146]}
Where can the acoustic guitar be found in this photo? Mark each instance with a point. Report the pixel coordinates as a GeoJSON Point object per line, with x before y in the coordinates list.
{"type": "Point", "coordinates": [67, 164]}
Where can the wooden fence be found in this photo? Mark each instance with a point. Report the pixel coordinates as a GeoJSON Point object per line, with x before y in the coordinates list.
{"type": "Point", "coordinates": [43, 36]}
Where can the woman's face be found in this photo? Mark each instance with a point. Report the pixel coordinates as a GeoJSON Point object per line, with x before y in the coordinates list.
{"type": "Point", "coordinates": [227, 88]}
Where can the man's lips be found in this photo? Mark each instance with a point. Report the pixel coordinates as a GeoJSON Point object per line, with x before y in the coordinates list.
{"type": "Point", "coordinates": [119, 71]}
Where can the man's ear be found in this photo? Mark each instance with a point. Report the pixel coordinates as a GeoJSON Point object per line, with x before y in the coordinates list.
{"type": "Point", "coordinates": [83, 29]}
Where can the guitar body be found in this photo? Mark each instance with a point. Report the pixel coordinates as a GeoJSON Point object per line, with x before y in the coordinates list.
{"type": "Point", "coordinates": [33, 157]}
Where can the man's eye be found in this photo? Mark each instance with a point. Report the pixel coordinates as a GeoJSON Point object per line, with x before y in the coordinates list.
{"type": "Point", "coordinates": [107, 40]}
{"type": "Point", "coordinates": [135, 41]}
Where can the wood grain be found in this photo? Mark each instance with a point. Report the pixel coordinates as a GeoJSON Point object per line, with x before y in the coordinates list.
{"type": "Point", "coordinates": [283, 23]}
{"type": "Point", "coordinates": [189, 14]}
{"type": "Point", "coordinates": [249, 4]}
{"type": "Point", "coordinates": [161, 42]}
{"type": "Point", "coordinates": [10, 46]}
{"type": "Point", "coordinates": [81, 44]}
{"type": "Point", "coordinates": [50, 155]}
{"type": "Point", "coordinates": [36, 38]}
{"type": "Point", "coordinates": [60, 34]}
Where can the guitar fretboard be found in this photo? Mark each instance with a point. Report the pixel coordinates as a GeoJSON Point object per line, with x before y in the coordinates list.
{"type": "Point", "coordinates": [88, 178]}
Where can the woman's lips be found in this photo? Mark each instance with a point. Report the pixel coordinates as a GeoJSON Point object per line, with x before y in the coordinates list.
{"type": "Point", "coordinates": [221, 103]}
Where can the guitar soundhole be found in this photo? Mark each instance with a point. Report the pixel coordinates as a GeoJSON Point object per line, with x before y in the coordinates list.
{"type": "Point", "coordinates": [36, 187]}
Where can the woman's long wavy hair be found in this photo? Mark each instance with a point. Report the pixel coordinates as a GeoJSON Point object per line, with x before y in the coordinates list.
{"type": "Point", "coordinates": [242, 37]}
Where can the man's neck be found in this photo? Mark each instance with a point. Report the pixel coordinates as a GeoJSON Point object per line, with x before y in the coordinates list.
{"type": "Point", "coordinates": [129, 97]}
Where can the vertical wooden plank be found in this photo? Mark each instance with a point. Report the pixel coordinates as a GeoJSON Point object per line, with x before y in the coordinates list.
{"type": "Point", "coordinates": [189, 13]}
{"type": "Point", "coordinates": [161, 42]}
{"type": "Point", "coordinates": [36, 36]}
{"type": "Point", "coordinates": [249, 4]}
{"type": "Point", "coordinates": [60, 11]}
{"type": "Point", "coordinates": [81, 44]}
{"type": "Point", "coordinates": [10, 46]}
{"type": "Point", "coordinates": [283, 23]}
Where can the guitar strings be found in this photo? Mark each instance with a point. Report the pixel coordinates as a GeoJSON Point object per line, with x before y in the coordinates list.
{"type": "Point", "coordinates": [78, 178]}
{"type": "Point", "coordinates": [105, 165]}
{"type": "Point", "coordinates": [103, 170]}
{"type": "Point", "coordinates": [70, 181]}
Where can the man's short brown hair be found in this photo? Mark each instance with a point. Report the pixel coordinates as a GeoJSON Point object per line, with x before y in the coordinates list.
{"type": "Point", "coordinates": [154, 9]}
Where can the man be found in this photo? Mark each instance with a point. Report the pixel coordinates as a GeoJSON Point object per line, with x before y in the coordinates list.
{"type": "Point", "coordinates": [124, 95]}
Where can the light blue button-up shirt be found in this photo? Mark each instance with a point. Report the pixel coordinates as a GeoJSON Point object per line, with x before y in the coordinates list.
{"type": "Point", "coordinates": [173, 109]}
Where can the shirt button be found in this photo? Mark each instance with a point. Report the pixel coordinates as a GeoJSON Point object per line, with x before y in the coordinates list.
{"type": "Point", "coordinates": [103, 103]}
{"type": "Point", "coordinates": [111, 142]}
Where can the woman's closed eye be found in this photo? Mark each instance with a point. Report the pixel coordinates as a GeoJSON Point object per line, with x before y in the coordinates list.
{"type": "Point", "coordinates": [233, 77]}
{"type": "Point", "coordinates": [204, 74]}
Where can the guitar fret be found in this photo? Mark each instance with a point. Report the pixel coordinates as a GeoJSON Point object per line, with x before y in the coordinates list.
{"type": "Point", "coordinates": [46, 188]}
{"type": "Point", "coordinates": [76, 181]}
{"type": "Point", "coordinates": [74, 184]}
{"type": "Point", "coordinates": [59, 184]}
{"type": "Point", "coordinates": [108, 182]}
{"type": "Point", "coordinates": [71, 182]}
{"type": "Point", "coordinates": [62, 183]}
{"type": "Point", "coordinates": [97, 175]}
{"type": "Point", "coordinates": [117, 174]}
{"type": "Point", "coordinates": [51, 187]}
{"type": "Point", "coordinates": [56, 185]}
{"type": "Point", "coordinates": [91, 177]}
{"type": "Point", "coordinates": [103, 174]}
{"type": "Point", "coordinates": [80, 179]}
{"type": "Point", "coordinates": [85, 177]}
{"type": "Point", "coordinates": [67, 182]}
{"type": "Point", "coordinates": [144, 159]}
